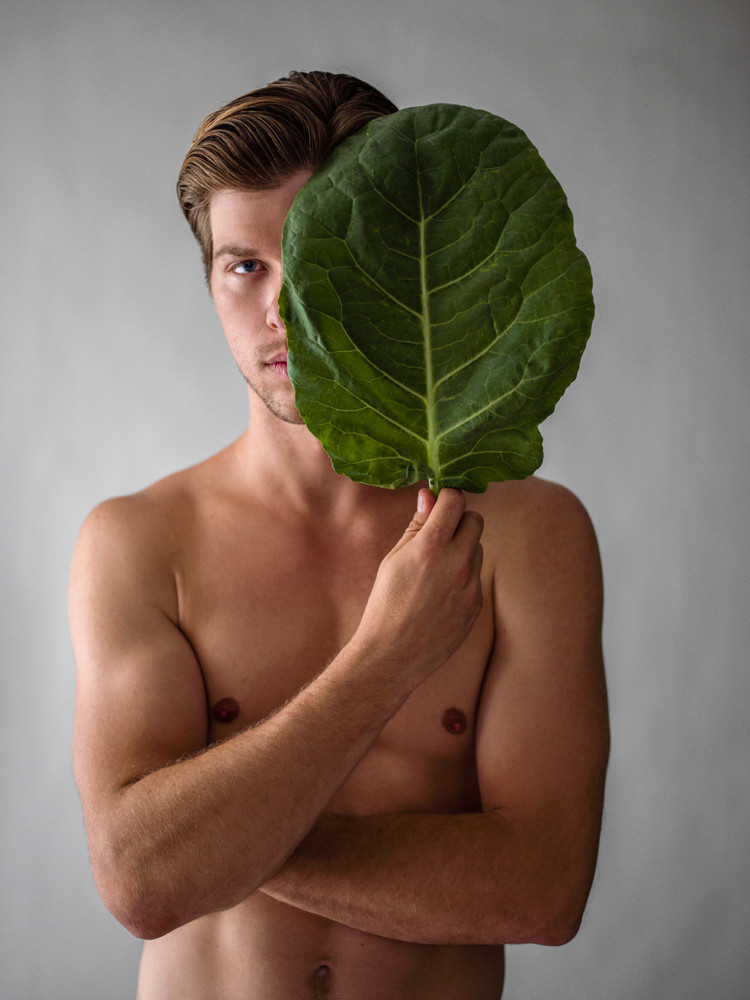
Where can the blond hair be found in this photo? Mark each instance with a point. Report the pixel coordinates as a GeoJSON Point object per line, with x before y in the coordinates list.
{"type": "Point", "coordinates": [259, 140]}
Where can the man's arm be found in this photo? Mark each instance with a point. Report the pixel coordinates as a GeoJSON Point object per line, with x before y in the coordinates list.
{"type": "Point", "coordinates": [177, 830]}
{"type": "Point", "coordinates": [521, 870]}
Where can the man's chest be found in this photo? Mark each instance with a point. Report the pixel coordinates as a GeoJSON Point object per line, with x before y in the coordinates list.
{"type": "Point", "coordinates": [266, 614]}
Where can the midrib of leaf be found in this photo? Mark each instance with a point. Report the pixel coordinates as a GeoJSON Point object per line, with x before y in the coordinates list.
{"type": "Point", "coordinates": [432, 441]}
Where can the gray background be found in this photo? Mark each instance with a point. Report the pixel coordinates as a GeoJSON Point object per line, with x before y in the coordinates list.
{"type": "Point", "coordinates": [115, 373]}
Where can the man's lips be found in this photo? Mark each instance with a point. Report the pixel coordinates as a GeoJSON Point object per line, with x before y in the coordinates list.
{"type": "Point", "coordinates": [278, 364]}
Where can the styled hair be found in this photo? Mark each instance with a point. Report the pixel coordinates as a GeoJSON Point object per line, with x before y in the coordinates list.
{"type": "Point", "coordinates": [259, 140]}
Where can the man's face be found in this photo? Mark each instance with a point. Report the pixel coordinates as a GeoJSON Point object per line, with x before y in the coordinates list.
{"type": "Point", "coordinates": [245, 283]}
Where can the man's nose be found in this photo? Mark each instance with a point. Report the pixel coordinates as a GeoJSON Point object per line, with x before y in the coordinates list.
{"type": "Point", "coordinates": [273, 317]}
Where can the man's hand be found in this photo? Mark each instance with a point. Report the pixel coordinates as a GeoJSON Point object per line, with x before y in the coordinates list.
{"type": "Point", "coordinates": [427, 593]}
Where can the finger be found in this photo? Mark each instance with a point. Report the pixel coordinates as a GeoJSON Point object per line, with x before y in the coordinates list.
{"type": "Point", "coordinates": [470, 528]}
{"type": "Point", "coordinates": [446, 514]}
{"type": "Point", "coordinates": [478, 560]}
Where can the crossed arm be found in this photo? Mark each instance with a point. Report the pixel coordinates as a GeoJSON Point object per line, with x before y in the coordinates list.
{"type": "Point", "coordinates": [520, 870]}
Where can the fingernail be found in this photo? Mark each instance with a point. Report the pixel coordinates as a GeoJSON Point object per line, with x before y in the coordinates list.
{"type": "Point", "coordinates": [420, 501]}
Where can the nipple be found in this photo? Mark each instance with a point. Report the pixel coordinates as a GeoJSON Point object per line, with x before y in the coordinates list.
{"type": "Point", "coordinates": [454, 721]}
{"type": "Point", "coordinates": [225, 710]}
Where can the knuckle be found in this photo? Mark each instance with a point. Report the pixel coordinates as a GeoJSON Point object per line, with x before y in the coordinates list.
{"type": "Point", "coordinates": [466, 576]}
{"type": "Point", "coordinates": [473, 524]}
{"type": "Point", "coordinates": [434, 536]}
{"type": "Point", "coordinates": [456, 500]}
{"type": "Point", "coordinates": [474, 515]}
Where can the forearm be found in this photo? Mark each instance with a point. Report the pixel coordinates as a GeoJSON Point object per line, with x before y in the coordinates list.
{"type": "Point", "coordinates": [203, 833]}
{"type": "Point", "coordinates": [435, 879]}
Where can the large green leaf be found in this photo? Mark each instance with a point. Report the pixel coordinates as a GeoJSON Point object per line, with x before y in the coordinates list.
{"type": "Point", "coordinates": [435, 301]}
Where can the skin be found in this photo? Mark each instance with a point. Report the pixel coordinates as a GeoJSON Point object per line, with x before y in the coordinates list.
{"type": "Point", "coordinates": [410, 771]}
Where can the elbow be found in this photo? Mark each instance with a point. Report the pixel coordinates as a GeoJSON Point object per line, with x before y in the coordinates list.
{"type": "Point", "coordinates": [143, 909]}
{"type": "Point", "coordinates": [149, 899]}
{"type": "Point", "coordinates": [551, 930]}
{"type": "Point", "coordinates": [557, 931]}
{"type": "Point", "coordinates": [559, 921]}
{"type": "Point", "coordinates": [144, 923]}
{"type": "Point", "coordinates": [552, 921]}
{"type": "Point", "coordinates": [143, 918]}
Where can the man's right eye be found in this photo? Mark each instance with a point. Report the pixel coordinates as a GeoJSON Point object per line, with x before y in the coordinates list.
{"type": "Point", "coordinates": [247, 267]}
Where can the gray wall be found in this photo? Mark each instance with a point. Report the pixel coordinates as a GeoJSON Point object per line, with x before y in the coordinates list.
{"type": "Point", "coordinates": [115, 373]}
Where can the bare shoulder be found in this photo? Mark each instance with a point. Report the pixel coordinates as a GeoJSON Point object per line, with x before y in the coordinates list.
{"type": "Point", "coordinates": [541, 545]}
{"type": "Point", "coordinates": [144, 515]}
{"type": "Point", "coordinates": [533, 513]}
{"type": "Point", "coordinates": [524, 495]}
{"type": "Point", "coordinates": [130, 548]}
{"type": "Point", "coordinates": [127, 536]}
{"type": "Point", "coordinates": [154, 520]}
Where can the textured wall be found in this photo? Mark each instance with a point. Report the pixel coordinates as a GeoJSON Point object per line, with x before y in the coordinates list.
{"type": "Point", "coordinates": [115, 373]}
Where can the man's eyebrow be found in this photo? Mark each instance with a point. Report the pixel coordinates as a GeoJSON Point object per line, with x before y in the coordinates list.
{"type": "Point", "coordinates": [233, 250]}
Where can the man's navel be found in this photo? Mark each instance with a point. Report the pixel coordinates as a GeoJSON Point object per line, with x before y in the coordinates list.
{"type": "Point", "coordinates": [320, 982]}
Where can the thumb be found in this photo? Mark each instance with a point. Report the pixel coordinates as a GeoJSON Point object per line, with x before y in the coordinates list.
{"type": "Point", "coordinates": [425, 503]}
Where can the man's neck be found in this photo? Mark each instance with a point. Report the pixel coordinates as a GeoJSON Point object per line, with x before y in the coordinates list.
{"type": "Point", "coordinates": [285, 463]}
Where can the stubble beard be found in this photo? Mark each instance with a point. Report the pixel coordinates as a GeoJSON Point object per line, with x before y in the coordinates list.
{"type": "Point", "coordinates": [282, 409]}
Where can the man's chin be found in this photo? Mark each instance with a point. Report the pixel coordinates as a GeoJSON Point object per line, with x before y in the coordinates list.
{"type": "Point", "coordinates": [289, 417]}
{"type": "Point", "coordinates": [281, 409]}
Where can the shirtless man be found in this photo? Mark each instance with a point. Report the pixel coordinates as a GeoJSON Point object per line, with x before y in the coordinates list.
{"type": "Point", "coordinates": [327, 743]}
